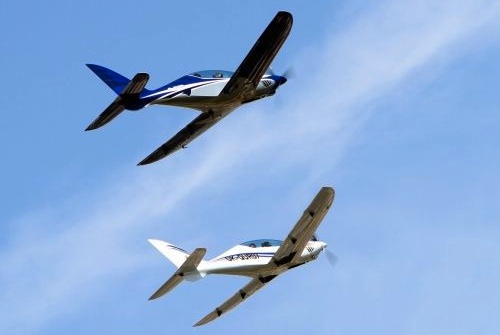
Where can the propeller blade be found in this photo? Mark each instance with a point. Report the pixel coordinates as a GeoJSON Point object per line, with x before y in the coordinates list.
{"type": "Point", "coordinates": [332, 258]}
{"type": "Point", "coordinates": [289, 73]}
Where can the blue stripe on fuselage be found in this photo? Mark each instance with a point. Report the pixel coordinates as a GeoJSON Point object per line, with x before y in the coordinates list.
{"type": "Point", "coordinates": [147, 96]}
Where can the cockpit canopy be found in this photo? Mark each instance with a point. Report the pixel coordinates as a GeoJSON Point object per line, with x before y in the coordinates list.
{"type": "Point", "coordinates": [212, 74]}
{"type": "Point", "coordinates": [262, 243]}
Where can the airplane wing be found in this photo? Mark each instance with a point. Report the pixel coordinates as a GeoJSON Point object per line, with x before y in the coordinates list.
{"type": "Point", "coordinates": [247, 76]}
{"type": "Point", "coordinates": [286, 253]}
{"type": "Point", "coordinates": [244, 80]}
{"type": "Point", "coordinates": [296, 241]}
{"type": "Point", "coordinates": [253, 286]}
{"type": "Point", "coordinates": [184, 136]}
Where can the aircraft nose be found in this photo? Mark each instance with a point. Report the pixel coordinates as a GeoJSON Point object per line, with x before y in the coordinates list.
{"type": "Point", "coordinates": [282, 80]}
{"type": "Point", "coordinates": [323, 245]}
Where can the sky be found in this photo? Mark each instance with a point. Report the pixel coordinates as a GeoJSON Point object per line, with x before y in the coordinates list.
{"type": "Point", "coordinates": [393, 103]}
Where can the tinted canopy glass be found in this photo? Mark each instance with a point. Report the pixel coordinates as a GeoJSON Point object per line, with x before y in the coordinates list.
{"type": "Point", "coordinates": [213, 74]}
{"type": "Point", "coordinates": [262, 243]}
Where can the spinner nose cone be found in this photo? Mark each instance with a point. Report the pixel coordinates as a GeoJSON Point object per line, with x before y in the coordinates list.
{"type": "Point", "coordinates": [322, 245]}
{"type": "Point", "coordinates": [278, 80]}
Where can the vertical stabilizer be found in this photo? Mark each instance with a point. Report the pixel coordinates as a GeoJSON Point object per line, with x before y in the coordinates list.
{"type": "Point", "coordinates": [114, 80]}
{"type": "Point", "coordinates": [173, 253]}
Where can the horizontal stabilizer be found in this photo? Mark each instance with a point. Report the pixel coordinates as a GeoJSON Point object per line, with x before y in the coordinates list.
{"type": "Point", "coordinates": [128, 90]}
{"type": "Point", "coordinates": [109, 114]}
{"type": "Point", "coordinates": [187, 267]}
{"type": "Point", "coordinates": [137, 84]}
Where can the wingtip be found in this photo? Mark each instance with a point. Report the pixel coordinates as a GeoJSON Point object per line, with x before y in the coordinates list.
{"type": "Point", "coordinates": [209, 318]}
{"type": "Point", "coordinates": [285, 15]}
{"type": "Point", "coordinates": [329, 192]}
{"type": "Point", "coordinates": [145, 161]}
{"type": "Point", "coordinates": [154, 157]}
{"type": "Point", "coordinates": [200, 323]}
{"type": "Point", "coordinates": [148, 160]}
{"type": "Point", "coordinates": [156, 295]}
{"type": "Point", "coordinates": [330, 189]}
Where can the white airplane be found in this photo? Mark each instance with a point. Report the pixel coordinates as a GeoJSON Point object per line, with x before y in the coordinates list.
{"type": "Point", "coordinates": [262, 260]}
{"type": "Point", "coordinates": [214, 93]}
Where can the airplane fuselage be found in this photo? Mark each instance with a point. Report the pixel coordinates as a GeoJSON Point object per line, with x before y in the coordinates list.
{"type": "Point", "coordinates": [202, 91]}
{"type": "Point", "coordinates": [253, 261]}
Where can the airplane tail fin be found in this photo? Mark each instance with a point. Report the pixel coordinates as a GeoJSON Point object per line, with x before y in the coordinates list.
{"type": "Point", "coordinates": [114, 80]}
{"type": "Point", "coordinates": [186, 265]}
{"type": "Point", "coordinates": [128, 91]}
{"type": "Point", "coordinates": [173, 253]}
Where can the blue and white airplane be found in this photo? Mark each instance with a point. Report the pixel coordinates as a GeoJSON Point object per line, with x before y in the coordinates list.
{"type": "Point", "coordinates": [214, 93]}
{"type": "Point", "coordinates": [261, 260]}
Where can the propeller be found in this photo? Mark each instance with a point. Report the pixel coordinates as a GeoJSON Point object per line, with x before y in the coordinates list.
{"type": "Point", "coordinates": [288, 74]}
{"type": "Point", "coordinates": [332, 258]}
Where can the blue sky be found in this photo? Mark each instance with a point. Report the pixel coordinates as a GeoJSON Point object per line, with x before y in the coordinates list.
{"type": "Point", "coordinates": [394, 103]}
